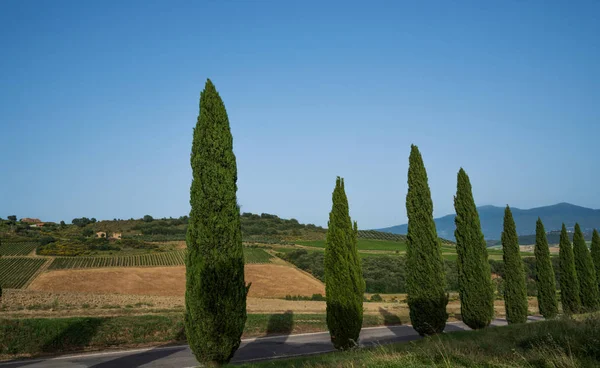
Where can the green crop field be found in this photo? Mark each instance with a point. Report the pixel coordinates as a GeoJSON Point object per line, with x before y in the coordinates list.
{"type": "Point", "coordinates": [15, 272]}
{"type": "Point", "coordinates": [175, 258]}
{"type": "Point", "coordinates": [256, 255]}
{"type": "Point", "coordinates": [363, 244]}
{"type": "Point", "coordinates": [17, 248]}
{"type": "Point", "coordinates": [379, 235]}
{"type": "Point", "coordinates": [154, 259]}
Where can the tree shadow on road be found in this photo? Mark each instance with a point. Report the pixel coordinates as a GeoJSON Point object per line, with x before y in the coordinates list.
{"type": "Point", "coordinates": [389, 319]}
{"type": "Point", "coordinates": [141, 358]}
{"type": "Point", "coordinates": [279, 327]}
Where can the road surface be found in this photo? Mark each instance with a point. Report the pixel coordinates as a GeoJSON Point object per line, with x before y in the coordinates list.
{"type": "Point", "coordinates": [251, 350]}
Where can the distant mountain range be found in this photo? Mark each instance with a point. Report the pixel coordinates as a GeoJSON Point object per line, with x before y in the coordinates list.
{"type": "Point", "coordinates": [492, 217]}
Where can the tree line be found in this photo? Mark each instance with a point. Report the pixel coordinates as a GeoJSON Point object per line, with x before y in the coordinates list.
{"type": "Point", "coordinates": [216, 291]}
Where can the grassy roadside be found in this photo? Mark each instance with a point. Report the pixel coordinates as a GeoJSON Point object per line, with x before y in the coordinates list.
{"type": "Point", "coordinates": [39, 336]}
{"type": "Point", "coordinates": [558, 343]}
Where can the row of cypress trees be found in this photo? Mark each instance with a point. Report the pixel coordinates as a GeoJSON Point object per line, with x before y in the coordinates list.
{"type": "Point", "coordinates": [579, 282]}
{"type": "Point", "coordinates": [579, 268]}
{"type": "Point", "coordinates": [216, 291]}
{"type": "Point", "coordinates": [579, 278]}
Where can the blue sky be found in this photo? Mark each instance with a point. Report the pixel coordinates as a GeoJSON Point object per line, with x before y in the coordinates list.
{"type": "Point", "coordinates": [99, 99]}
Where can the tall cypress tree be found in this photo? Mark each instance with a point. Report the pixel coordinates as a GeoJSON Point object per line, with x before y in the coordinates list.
{"type": "Point", "coordinates": [596, 255]}
{"type": "Point", "coordinates": [569, 285]}
{"type": "Point", "coordinates": [546, 284]}
{"type": "Point", "coordinates": [586, 274]}
{"type": "Point", "coordinates": [344, 284]}
{"type": "Point", "coordinates": [215, 296]}
{"type": "Point", "coordinates": [515, 289]}
{"type": "Point", "coordinates": [426, 281]}
{"type": "Point", "coordinates": [474, 274]}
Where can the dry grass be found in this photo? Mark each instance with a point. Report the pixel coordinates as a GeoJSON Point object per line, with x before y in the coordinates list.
{"type": "Point", "coordinates": [268, 281]}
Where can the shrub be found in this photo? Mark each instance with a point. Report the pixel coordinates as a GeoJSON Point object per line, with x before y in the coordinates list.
{"type": "Point", "coordinates": [376, 298]}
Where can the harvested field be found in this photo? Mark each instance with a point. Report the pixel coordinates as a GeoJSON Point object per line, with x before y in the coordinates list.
{"type": "Point", "coordinates": [30, 303]}
{"type": "Point", "coordinates": [268, 281]}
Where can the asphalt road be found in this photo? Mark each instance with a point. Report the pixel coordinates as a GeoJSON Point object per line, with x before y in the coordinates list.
{"type": "Point", "coordinates": [251, 350]}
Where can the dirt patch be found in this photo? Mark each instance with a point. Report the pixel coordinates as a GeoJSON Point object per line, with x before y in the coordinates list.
{"type": "Point", "coordinates": [268, 281]}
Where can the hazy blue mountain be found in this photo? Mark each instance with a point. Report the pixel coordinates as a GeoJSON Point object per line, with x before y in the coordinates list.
{"type": "Point", "coordinates": [491, 220]}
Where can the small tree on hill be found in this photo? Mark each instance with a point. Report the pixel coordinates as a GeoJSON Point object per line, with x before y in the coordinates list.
{"type": "Point", "coordinates": [569, 285]}
{"type": "Point", "coordinates": [596, 255]}
{"type": "Point", "coordinates": [515, 289]}
{"type": "Point", "coordinates": [586, 274]}
{"type": "Point", "coordinates": [215, 296]}
{"type": "Point", "coordinates": [344, 282]}
{"type": "Point", "coordinates": [474, 274]}
{"type": "Point", "coordinates": [426, 281]}
{"type": "Point", "coordinates": [546, 284]}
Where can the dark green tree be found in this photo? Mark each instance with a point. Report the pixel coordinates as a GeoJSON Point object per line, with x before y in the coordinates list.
{"type": "Point", "coordinates": [546, 284]}
{"type": "Point", "coordinates": [344, 284]}
{"type": "Point", "coordinates": [569, 285]}
{"type": "Point", "coordinates": [474, 274]}
{"type": "Point", "coordinates": [586, 274]}
{"type": "Point", "coordinates": [215, 296]}
{"type": "Point", "coordinates": [426, 281]}
{"type": "Point", "coordinates": [0, 284]}
{"type": "Point", "coordinates": [596, 255]}
{"type": "Point", "coordinates": [515, 287]}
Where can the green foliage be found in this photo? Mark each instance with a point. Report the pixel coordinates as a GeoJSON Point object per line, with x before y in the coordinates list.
{"type": "Point", "coordinates": [596, 255]}
{"type": "Point", "coordinates": [344, 283]}
{"type": "Point", "coordinates": [312, 262]}
{"type": "Point", "coordinates": [376, 298]}
{"type": "Point", "coordinates": [515, 289]}
{"type": "Point", "coordinates": [569, 285]}
{"type": "Point", "coordinates": [83, 221]}
{"type": "Point", "coordinates": [586, 273]}
{"type": "Point", "coordinates": [215, 297]}
{"type": "Point", "coordinates": [474, 274]}
{"type": "Point", "coordinates": [267, 224]}
{"type": "Point", "coordinates": [426, 282]}
{"type": "Point", "coordinates": [314, 297]}
{"type": "Point", "coordinates": [546, 284]}
{"type": "Point", "coordinates": [147, 218]}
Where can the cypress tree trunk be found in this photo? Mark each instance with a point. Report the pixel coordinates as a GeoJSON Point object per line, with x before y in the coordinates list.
{"type": "Point", "coordinates": [596, 255]}
{"type": "Point", "coordinates": [586, 274]}
{"type": "Point", "coordinates": [569, 285]}
{"type": "Point", "coordinates": [546, 284]}
{"type": "Point", "coordinates": [515, 289]}
{"type": "Point", "coordinates": [426, 281]}
{"type": "Point", "coordinates": [215, 296]}
{"type": "Point", "coordinates": [474, 274]}
{"type": "Point", "coordinates": [344, 284]}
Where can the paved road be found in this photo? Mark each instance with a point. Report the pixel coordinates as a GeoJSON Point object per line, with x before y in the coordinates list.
{"type": "Point", "coordinates": [251, 350]}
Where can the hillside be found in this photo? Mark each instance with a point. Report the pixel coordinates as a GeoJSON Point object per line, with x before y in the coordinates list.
{"type": "Point", "coordinates": [491, 220]}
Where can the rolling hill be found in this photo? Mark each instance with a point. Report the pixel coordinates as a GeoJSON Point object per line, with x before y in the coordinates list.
{"type": "Point", "coordinates": [491, 220]}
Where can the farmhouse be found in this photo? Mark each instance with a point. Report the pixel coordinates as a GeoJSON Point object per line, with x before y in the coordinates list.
{"type": "Point", "coordinates": [102, 234]}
